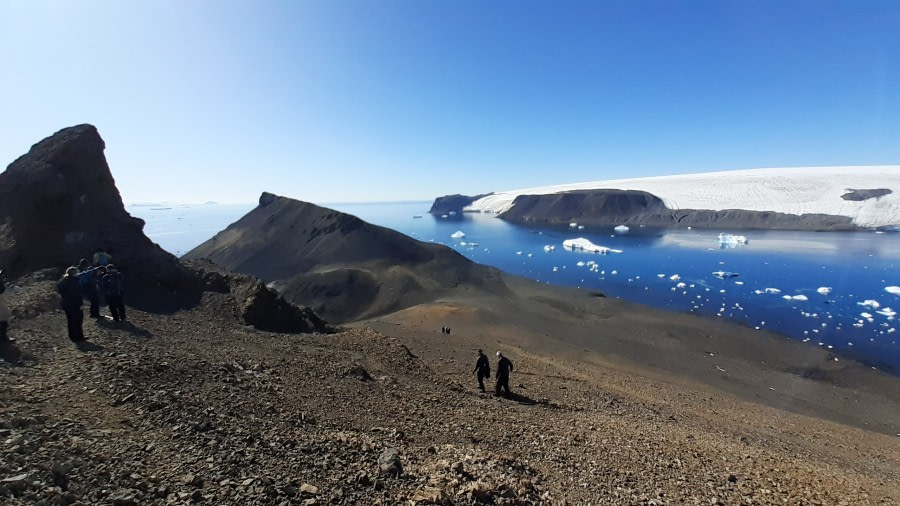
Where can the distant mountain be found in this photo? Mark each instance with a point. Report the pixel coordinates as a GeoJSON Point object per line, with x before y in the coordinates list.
{"type": "Point", "coordinates": [342, 267]}
{"type": "Point", "coordinates": [817, 198]}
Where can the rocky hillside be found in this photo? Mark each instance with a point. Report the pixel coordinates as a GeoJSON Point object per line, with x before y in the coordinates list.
{"type": "Point", "coordinates": [342, 267]}
{"type": "Point", "coordinates": [59, 203]}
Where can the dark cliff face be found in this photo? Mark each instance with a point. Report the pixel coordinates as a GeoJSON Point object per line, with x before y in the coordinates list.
{"type": "Point", "coordinates": [59, 203]}
{"type": "Point", "coordinates": [618, 207]}
{"type": "Point", "coordinates": [342, 267]}
{"type": "Point", "coordinates": [453, 203]}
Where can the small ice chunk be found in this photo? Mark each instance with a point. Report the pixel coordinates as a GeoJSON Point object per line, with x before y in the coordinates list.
{"type": "Point", "coordinates": [681, 285]}
{"type": "Point", "coordinates": [887, 312]}
{"type": "Point", "coordinates": [459, 234]}
{"type": "Point", "coordinates": [573, 224]}
{"type": "Point", "coordinates": [874, 304]}
{"type": "Point", "coordinates": [660, 276]}
{"type": "Point", "coordinates": [786, 297]}
{"type": "Point", "coordinates": [621, 229]}
{"type": "Point", "coordinates": [518, 252]}
{"type": "Point", "coordinates": [772, 290]}
{"type": "Point", "coordinates": [675, 277]}
{"type": "Point", "coordinates": [824, 290]}
{"type": "Point", "coordinates": [739, 282]}
{"type": "Point", "coordinates": [725, 274]}
{"type": "Point", "coordinates": [800, 297]}
{"type": "Point", "coordinates": [892, 289]}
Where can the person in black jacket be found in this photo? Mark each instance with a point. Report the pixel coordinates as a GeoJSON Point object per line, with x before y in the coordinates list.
{"type": "Point", "coordinates": [70, 291]}
{"type": "Point", "coordinates": [504, 367]}
{"type": "Point", "coordinates": [114, 290]}
{"type": "Point", "coordinates": [482, 369]}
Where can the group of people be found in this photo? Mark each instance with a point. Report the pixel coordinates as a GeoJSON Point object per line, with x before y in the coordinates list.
{"type": "Point", "coordinates": [483, 371]}
{"type": "Point", "coordinates": [90, 281]}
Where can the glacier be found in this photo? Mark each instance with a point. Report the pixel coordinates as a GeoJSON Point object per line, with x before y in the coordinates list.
{"type": "Point", "coordinates": [803, 190]}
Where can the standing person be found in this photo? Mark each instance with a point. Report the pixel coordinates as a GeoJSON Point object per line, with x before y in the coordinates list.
{"type": "Point", "coordinates": [102, 258]}
{"type": "Point", "coordinates": [482, 369]}
{"type": "Point", "coordinates": [70, 291]}
{"type": "Point", "coordinates": [5, 314]}
{"type": "Point", "coordinates": [114, 289]}
{"type": "Point", "coordinates": [87, 277]}
{"type": "Point", "coordinates": [504, 367]}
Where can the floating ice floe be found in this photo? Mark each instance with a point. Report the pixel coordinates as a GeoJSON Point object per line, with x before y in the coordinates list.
{"type": "Point", "coordinates": [573, 224]}
{"type": "Point", "coordinates": [459, 234]}
{"type": "Point", "coordinates": [732, 239]}
{"type": "Point", "coordinates": [549, 247]}
{"type": "Point", "coordinates": [800, 297]}
{"type": "Point", "coordinates": [621, 229]}
{"type": "Point", "coordinates": [660, 276]}
{"type": "Point", "coordinates": [874, 304]}
{"type": "Point", "coordinates": [675, 277]}
{"type": "Point", "coordinates": [892, 289]}
{"type": "Point", "coordinates": [772, 290]}
{"type": "Point", "coordinates": [518, 252]}
{"type": "Point", "coordinates": [580, 264]}
{"type": "Point", "coordinates": [887, 312]}
{"type": "Point", "coordinates": [824, 290]}
{"type": "Point", "coordinates": [583, 244]}
{"type": "Point", "coordinates": [725, 274]}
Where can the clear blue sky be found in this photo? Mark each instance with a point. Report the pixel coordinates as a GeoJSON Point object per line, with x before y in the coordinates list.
{"type": "Point", "coordinates": [334, 100]}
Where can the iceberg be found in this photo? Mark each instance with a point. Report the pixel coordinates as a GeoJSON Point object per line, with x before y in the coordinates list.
{"type": "Point", "coordinates": [458, 234]}
{"type": "Point", "coordinates": [824, 290]}
{"type": "Point", "coordinates": [731, 239]}
{"type": "Point", "coordinates": [892, 289]}
{"type": "Point", "coordinates": [800, 297]}
{"type": "Point", "coordinates": [583, 244]}
{"type": "Point", "coordinates": [887, 312]}
{"type": "Point", "coordinates": [772, 290]}
{"type": "Point", "coordinates": [675, 277]}
{"type": "Point", "coordinates": [874, 304]}
{"type": "Point", "coordinates": [725, 274]}
{"type": "Point", "coordinates": [549, 247]}
{"type": "Point", "coordinates": [621, 229]}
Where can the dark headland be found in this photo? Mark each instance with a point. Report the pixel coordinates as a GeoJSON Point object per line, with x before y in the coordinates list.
{"type": "Point", "coordinates": [631, 207]}
{"type": "Point", "coordinates": [223, 390]}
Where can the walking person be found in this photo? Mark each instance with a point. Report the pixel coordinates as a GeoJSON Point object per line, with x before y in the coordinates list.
{"type": "Point", "coordinates": [87, 279]}
{"type": "Point", "coordinates": [482, 369]}
{"type": "Point", "coordinates": [114, 290]}
{"type": "Point", "coordinates": [504, 367]}
{"type": "Point", "coordinates": [6, 288]}
{"type": "Point", "coordinates": [70, 292]}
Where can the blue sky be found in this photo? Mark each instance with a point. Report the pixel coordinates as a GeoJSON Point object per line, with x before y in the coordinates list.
{"type": "Point", "coordinates": [336, 101]}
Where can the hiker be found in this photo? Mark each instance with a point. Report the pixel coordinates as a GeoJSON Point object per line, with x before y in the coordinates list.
{"type": "Point", "coordinates": [102, 258]}
{"type": "Point", "coordinates": [114, 290]}
{"type": "Point", "coordinates": [87, 279]}
{"type": "Point", "coordinates": [70, 292]}
{"type": "Point", "coordinates": [6, 288]}
{"type": "Point", "coordinates": [504, 367]}
{"type": "Point", "coordinates": [482, 369]}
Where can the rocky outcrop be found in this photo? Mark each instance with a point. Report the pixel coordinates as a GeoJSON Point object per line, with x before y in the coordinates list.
{"type": "Point", "coordinates": [59, 203]}
{"type": "Point", "coordinates": [453, 203]}
{"type": "Point", "coordinates": [860, 195]}
{"type": "Point", "coordinates": [256, 304]}
{"type": "Point", "coordinates": [628, 207]}
{"type": "Point", "coordinates": [342, 267]}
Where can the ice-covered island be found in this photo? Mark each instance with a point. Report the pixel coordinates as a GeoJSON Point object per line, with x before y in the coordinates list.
{"type": "Point", "coordinates": [810, 198]}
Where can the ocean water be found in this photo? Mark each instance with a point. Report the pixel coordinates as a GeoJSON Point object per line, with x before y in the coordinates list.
{"type": "Point", "coordinates": [779, 273]}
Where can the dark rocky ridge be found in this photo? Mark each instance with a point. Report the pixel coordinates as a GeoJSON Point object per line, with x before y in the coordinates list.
{"type": "Point", "coordinates": [59, 203]}
{"type": "Point", "coordinates": [342, 267]}
{"type": "Point", "coordinates": [860, 195]}
{"type": "Point", "coordinates": [630, 207]}
{"type": "Point", "coordinates": [453, 203]}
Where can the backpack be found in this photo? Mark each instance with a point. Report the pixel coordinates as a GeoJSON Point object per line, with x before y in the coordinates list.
{"type": "Point", "coordinates": [112, 284]}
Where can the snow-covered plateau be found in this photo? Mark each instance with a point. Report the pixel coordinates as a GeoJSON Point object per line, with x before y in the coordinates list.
{"type": "Point", "coordinates": [838, 191]}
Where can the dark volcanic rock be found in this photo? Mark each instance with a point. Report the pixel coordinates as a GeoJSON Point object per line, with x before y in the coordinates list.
{"type": "Point", "coordinates": [257, 304]}
{"type": "Point", "coordinates": [617, 207]}
{"type": "Point", "coordinates": [342, 267]}
{"type": "Point", "coordinates": [453, 203]}
{"type": "Point", "coordinates": [860, 195]}
{"type": "Point", "coordinates": [59, 203]}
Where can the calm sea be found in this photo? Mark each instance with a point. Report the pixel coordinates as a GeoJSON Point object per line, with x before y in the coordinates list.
{"type": "Point", "coordinates": [780, 283]}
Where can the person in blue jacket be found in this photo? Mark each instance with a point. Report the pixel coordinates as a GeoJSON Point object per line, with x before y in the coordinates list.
{"type": "Point", "coordinates": [70, 292]}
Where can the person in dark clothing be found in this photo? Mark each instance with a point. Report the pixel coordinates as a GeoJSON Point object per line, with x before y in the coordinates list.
{"type": "Point", "coordinates": [114, 290]}
{"type": "Point", "coordinates": [504, 367]}
{"type": "Point", "coordinates": [87, 278]}
{"type": "Point", "coordinates": [482, 369]}
{"type": "Point", "coordinates": [71, 293]}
